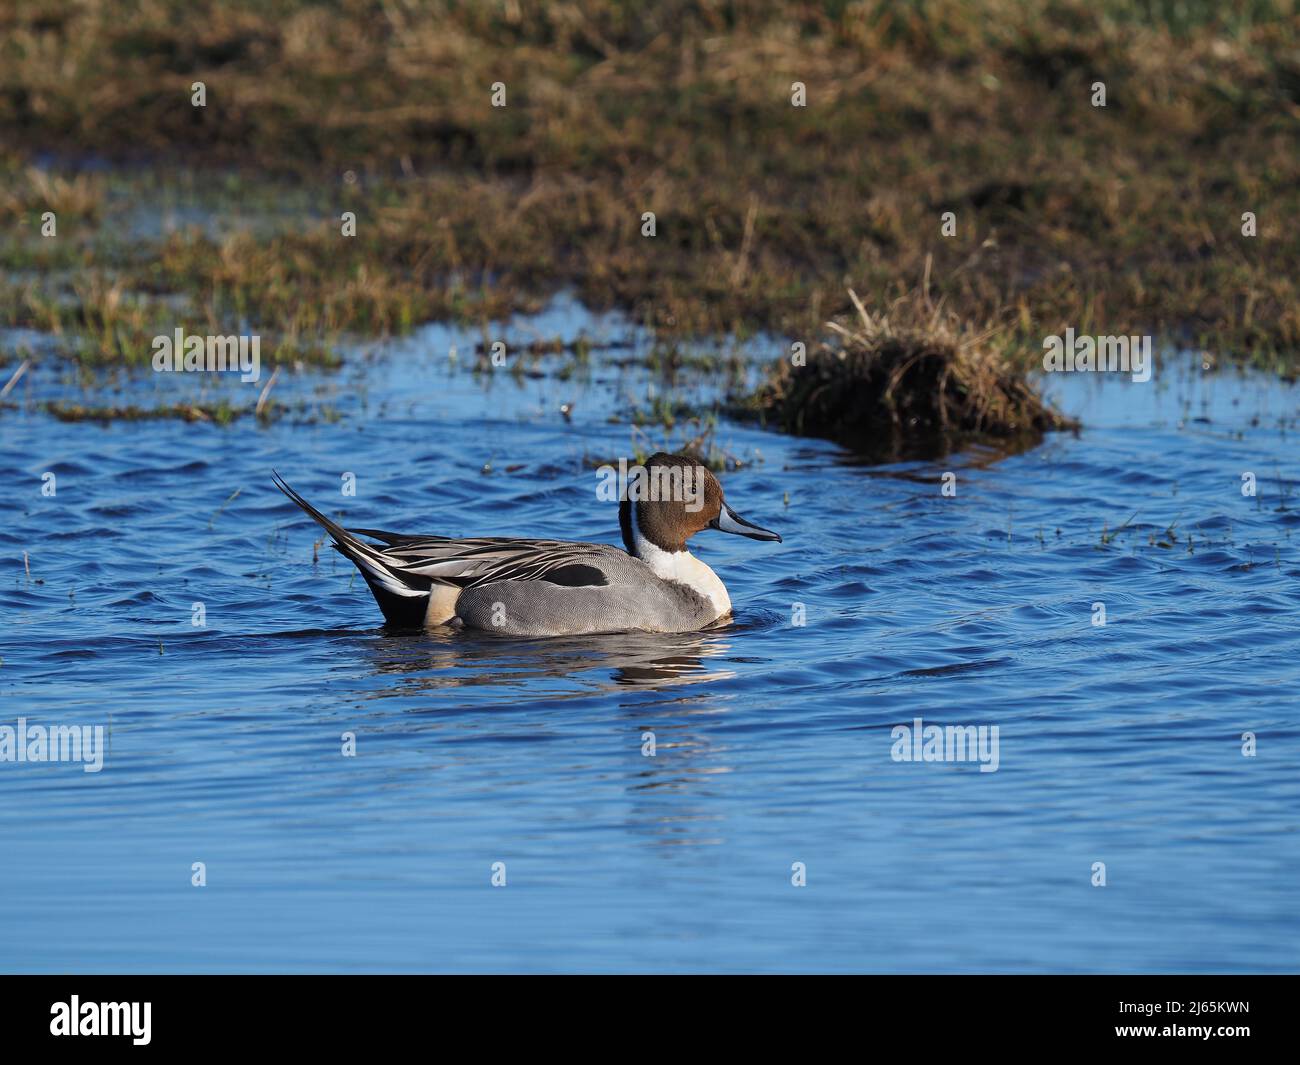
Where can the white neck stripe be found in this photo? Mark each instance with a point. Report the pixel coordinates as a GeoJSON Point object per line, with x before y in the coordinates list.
{"type": "Point", "coordinates": [681, 567]}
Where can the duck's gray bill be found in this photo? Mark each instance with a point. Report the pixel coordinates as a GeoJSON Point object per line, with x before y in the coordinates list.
{"type": "Point", "coordinates": [729, 521]}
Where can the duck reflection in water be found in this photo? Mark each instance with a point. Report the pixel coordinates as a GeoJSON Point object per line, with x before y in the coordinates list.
{"type": "Point", "coordinates": [435, 659]}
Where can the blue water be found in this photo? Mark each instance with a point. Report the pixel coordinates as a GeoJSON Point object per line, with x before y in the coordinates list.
{"type": "Point", "coordinates": [1120, 744]}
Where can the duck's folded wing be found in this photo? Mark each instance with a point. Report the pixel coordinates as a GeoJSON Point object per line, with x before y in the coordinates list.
{"type": "Point", "coordinates": [486, 559]}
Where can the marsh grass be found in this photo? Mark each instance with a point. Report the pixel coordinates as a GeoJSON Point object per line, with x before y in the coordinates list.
{"type": "Point", "coordinates": [696, 439]}
{"type": "Point", "coordinates": [29, 191]}
{"type": "Point", "coordinates": [1122, 219]}
{"type": "Point", "coordinates": [219, 413]}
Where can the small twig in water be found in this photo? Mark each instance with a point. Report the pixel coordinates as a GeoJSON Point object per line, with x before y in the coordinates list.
{"type": "Point", "coordinates": [1107, 537]}
{"type": "Point", "coordinates": [266, 391]}
{"type": "Point", "coordinates": [223, 506]}
{"type": "Point", "coordinates": [14, 379]}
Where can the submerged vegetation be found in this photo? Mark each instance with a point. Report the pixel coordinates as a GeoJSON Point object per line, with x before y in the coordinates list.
{"type": "Point", "coordinates": [709, 166]}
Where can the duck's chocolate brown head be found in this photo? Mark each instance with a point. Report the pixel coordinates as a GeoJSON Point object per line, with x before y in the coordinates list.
{"type": "Point", "coordinates": [670, 499]}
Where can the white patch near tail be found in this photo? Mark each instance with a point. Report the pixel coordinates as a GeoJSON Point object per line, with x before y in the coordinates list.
{"type": "Point", "coordinates": [384, 577]}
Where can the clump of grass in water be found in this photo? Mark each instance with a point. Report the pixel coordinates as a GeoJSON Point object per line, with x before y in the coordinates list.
{"type": "Point", "coordinates": [218, 413]}
{"type": "Point", "coordinates": [697, 439]}
{"type": "Point", "coordinates": [910, 382]}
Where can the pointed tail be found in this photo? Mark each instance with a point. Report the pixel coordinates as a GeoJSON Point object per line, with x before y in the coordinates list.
{"type": "Point", "coordinates": [403, 597]}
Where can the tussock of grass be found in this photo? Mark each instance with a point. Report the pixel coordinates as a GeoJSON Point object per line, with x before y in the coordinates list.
{"type": "Point", "coordinates": [909, 382]}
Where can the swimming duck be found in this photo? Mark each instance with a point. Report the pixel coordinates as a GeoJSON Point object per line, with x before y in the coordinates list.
{"type": "Point", "coordinates": [524, 587]}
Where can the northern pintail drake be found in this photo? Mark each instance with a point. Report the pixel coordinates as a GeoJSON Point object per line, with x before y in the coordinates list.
{"type": "Point", "coordinates": [523, 587]}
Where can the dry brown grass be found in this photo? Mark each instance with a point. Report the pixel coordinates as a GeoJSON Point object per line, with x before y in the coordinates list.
{"type": "Point", "coordinates": [1123, 219]}
{"type": "Point", "coordinates": [31, 191]}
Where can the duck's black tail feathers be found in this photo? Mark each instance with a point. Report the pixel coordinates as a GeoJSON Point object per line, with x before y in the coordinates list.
{"type": "Point", "coordinates": [401, 595]}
